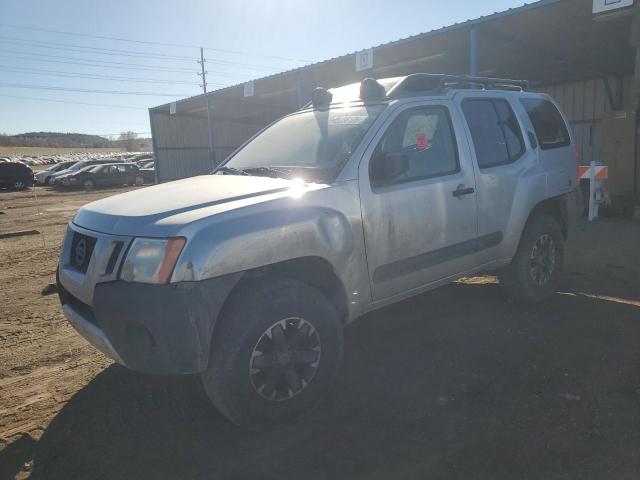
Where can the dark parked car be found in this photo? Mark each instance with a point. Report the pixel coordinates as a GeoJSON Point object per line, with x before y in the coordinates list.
{"type": "Point", "coordinates": [146, 163]}
{"type": "Point", "coordinates": [107, 175]}
{"type": "Point", "coordinates": [54, 179]}
{"type": "Point", "coordinates": [149, 174]}
{"type": "Point", "coordinates": [15, 175]}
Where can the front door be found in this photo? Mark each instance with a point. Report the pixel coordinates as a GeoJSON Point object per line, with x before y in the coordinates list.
{"type": "Point", "coordinates": [419, 227]}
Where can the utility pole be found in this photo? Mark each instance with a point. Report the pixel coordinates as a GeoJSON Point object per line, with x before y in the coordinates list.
{"type": "Point", "coordinates": [212, 158]}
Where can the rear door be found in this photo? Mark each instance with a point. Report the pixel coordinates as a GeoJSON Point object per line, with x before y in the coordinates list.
{"type": "Point", "coordinates": [417, 228]}
{"type": "Point", "coordinates": [108, 175]}
{"type": "Point", "coordinates": [132, 172]}
{"type": "Point", "coordinates": [501, 158]}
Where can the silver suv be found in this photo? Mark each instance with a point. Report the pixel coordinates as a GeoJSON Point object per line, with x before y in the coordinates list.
{"type": "Point", "coordinates": [373, 193]}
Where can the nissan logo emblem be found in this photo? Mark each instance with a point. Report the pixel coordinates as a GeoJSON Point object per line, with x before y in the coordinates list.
{"type": "Point", "coordinates": [80, 252]}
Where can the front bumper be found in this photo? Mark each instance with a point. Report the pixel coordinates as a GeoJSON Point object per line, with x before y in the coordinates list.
{"type": "Point", "coordinates": [164, 329]}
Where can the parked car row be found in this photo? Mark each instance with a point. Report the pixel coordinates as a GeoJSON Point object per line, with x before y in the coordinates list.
{"type": "Point", "coordinates": [123, 170]}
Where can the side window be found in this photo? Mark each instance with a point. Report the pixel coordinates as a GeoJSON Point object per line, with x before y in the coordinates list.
{"type": "Point", "coordinates": [425, 137]}
{"type": "Point", "coordinates": [547, 122]}
{"type": "Point", "coordinates": [120, 168]}
{"type": "Point", "coordinates": [495, 132]}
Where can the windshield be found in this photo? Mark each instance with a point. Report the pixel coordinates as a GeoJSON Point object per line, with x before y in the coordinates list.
{"type": "Point", "coordinates": [77, 166]}
{"type": "Point", "coordinates": [312, 145]}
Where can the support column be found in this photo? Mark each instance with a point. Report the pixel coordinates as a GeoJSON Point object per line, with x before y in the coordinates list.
{"type": "Point", "coordinates": [473, 52]}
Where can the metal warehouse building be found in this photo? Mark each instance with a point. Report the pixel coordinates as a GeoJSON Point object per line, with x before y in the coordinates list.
{"type": "Point", "coordinates": [584, 53]}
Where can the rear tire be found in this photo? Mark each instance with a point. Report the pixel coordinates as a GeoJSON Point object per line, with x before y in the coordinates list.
{"type": "Point", "coordinates": [19, 185]}
{"type": "Point", "coordinates": [276, 352]}
{"type": "Point", "coordinates": [533, 274]}
{"type": "Point", "coordinates": [89, 185]}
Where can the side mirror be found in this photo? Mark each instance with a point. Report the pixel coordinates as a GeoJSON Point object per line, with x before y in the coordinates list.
{"type": "Point", "coordinates": [532, 140]}
{"type": "Point", "coordinates": [386, 167]}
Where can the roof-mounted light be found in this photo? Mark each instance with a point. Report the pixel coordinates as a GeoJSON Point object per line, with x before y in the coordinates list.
{"type": "Point", "coordinates": [321, 97]}
{"type": "Point", "coordinates": [370, 89]}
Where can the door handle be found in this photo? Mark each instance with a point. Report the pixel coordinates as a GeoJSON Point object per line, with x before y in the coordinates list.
{"type": "Point", "coordinates": [462, 190]}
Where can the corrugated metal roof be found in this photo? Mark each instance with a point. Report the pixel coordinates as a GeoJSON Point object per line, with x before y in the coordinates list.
{"type": "Point", "coordinates": [393, 43]}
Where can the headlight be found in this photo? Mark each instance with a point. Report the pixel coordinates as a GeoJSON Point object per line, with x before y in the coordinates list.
{"type": "Point", "coordinates": [151, 260]}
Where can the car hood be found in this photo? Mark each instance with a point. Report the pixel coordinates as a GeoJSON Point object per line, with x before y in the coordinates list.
{"type": "Point", "coordinates": [165, 209]}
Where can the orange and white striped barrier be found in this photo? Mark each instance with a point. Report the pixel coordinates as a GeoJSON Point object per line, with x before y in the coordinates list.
{"type": "Point", "coordinates": [600, 172]}
{"type": "Point", "coordinates": [595, 174]}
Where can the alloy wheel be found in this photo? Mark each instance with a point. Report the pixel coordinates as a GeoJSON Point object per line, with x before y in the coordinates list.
{"type": "Point", "coordinates": [285, 359]}
{"type": "Point", "coordinates": [543, 259]}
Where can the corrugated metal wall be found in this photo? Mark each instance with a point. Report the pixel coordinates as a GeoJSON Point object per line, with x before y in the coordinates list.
{"type": "Point", "coordinates": [181, 146]}
{"type": "Point", "coordinates": [586, 103]}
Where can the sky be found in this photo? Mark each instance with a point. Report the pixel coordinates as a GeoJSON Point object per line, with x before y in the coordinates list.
{"type": "Point", "coordinates": [52, 49]}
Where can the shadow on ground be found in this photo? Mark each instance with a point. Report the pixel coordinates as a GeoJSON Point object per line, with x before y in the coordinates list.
{"type": "Point", "coordinates": [456, 383]}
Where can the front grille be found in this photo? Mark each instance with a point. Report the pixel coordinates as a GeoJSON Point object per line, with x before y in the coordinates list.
{"type": "Point", "coordinates": [81, 250]}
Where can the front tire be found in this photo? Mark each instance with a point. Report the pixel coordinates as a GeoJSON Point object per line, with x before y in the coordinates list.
{"type": "Point", "coordinates": [276, 352]}
{"type": "Point", "coordinates": [89, 185]}
{"type": "Point", "coordinates": [533, 274]}
{"type": "Point", "coordinates": [19, 185]}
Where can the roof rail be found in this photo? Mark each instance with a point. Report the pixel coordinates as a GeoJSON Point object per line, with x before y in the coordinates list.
{"type": "Point", "coordinates": [417, 83]}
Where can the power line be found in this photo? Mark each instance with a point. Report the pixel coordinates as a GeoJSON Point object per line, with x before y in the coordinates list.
{"type": "Point", "coordinates": [98, 50]}
{"type": "Point", "coordinates": [118, 52]}
{"type": "Point", "coordinates": [102, 63]}
{"type": "Point", "coordinates": [87, 90]}
{"type": "Point", "coordinates": [58, 73]}
{"type": "Point", "coordinates": [147, 42]}
{"type": "Point", "coordinates": [147, 67]}
{"type": "Point", "coordinates": [19, 97]}
{"type": "Point", "coordinates": [81, 49]}
{"type": "Point", "coordinates": [92, 65]}
{"type": "Point", "coordinates": [48, 120]}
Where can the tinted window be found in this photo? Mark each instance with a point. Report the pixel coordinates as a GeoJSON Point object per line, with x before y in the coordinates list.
{"type": "Point", "coordinates": [425, 136]}
{"type": "Point", "coordinates": [547, 122]}
{"type": "Point", "coordinates": [495, 132]}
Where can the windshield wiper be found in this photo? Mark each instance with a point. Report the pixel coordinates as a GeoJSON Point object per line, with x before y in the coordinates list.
{"type": "Point", "coordinates": [276, 172]}
{"type": "Point", "coordinates": [230, 171]}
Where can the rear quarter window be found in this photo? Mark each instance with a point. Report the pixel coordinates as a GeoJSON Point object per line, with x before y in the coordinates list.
{"type": "Point", "coordinates": [548, 123]}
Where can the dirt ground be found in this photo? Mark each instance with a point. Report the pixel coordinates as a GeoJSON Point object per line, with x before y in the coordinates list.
{"type": "Point", "coordinates": [456, 383]}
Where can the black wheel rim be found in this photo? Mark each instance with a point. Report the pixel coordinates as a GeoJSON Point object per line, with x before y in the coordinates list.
{"type": "Point", "coordinates": [285, 359]}
{"type": "Point", "coordinates": [543, 259]}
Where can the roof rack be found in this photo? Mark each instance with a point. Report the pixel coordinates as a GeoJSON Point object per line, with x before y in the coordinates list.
{"type": "Point", "coordinates": [418, 83]}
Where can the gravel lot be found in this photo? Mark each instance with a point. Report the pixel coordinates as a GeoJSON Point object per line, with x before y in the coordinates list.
{"type": "Point", "coordinates": [456, 383]}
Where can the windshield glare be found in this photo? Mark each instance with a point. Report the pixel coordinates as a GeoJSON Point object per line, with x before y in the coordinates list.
{"type": "Point", "coordinates": [313, 145]}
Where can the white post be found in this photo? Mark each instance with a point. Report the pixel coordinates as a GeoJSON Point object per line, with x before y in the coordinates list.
{"type": "Point", "coordinates": [593, 206]}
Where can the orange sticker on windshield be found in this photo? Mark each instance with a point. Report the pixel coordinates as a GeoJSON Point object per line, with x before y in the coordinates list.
{"type": "Point", "coordinates": [422, 143]}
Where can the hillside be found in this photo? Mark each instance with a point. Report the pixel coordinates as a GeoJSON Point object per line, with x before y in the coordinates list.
{"type": "Point", "coordinates": [70, 140]}
{"type": "Point", "coordinates": [53, 139]}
